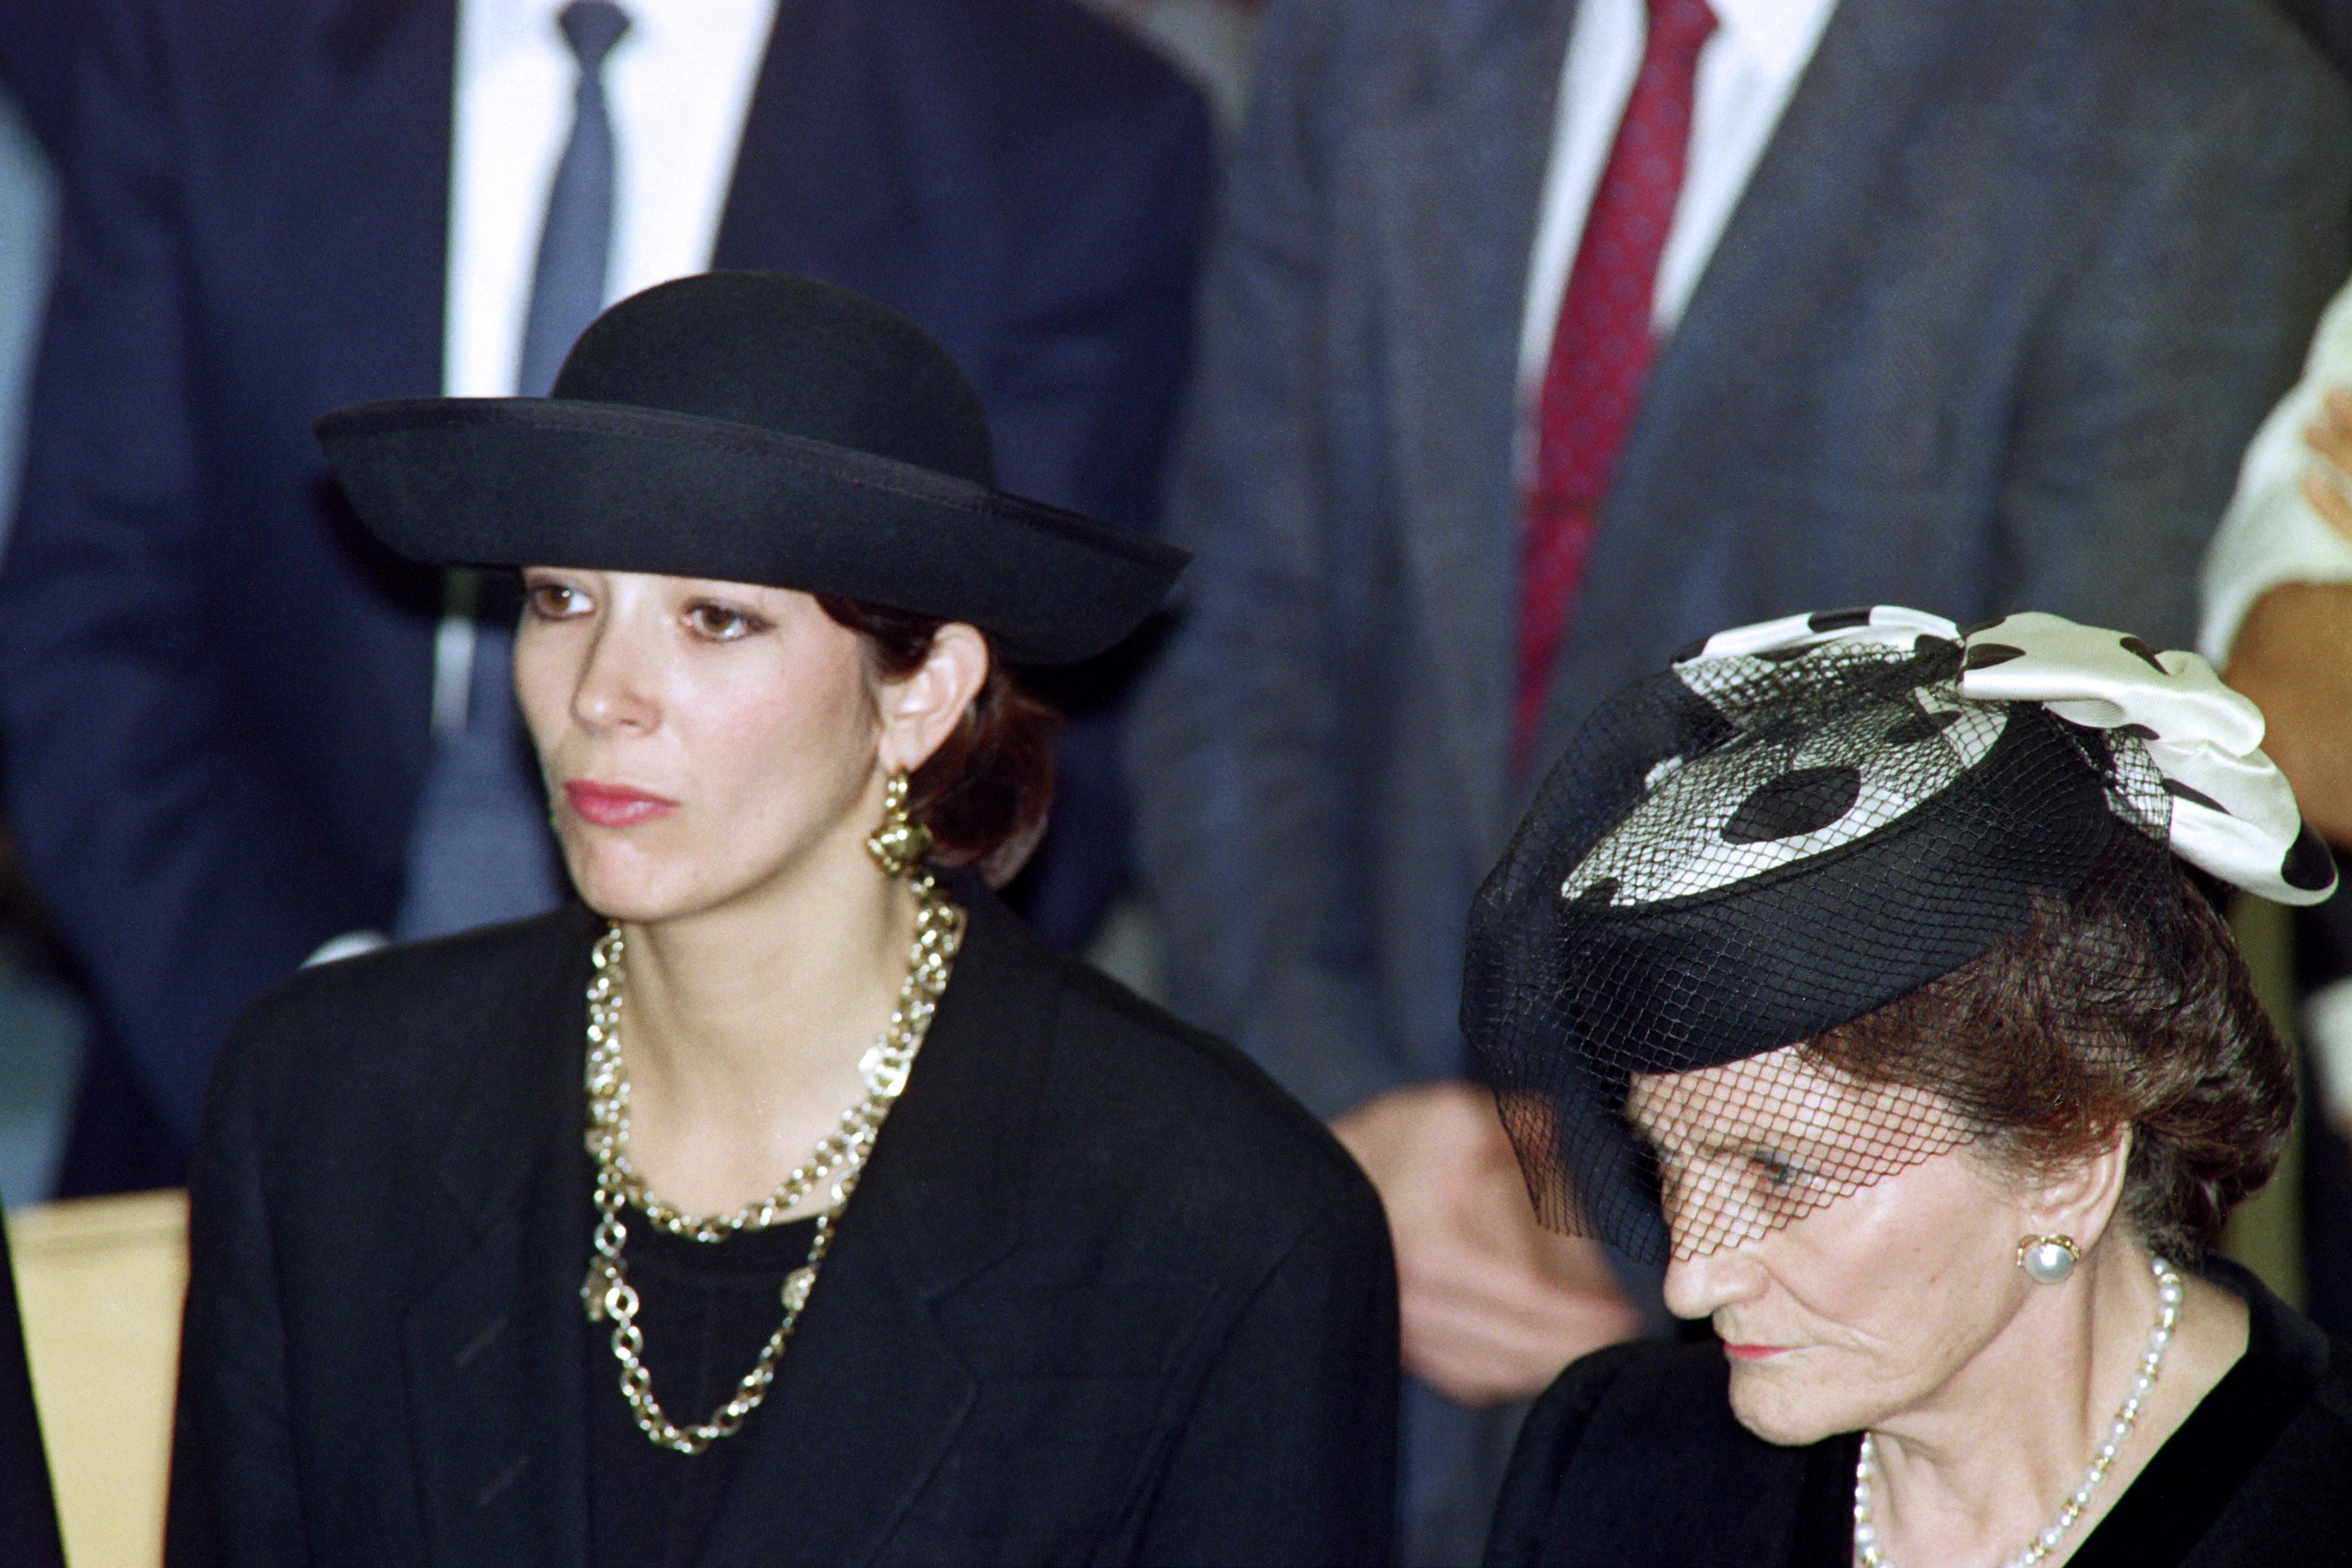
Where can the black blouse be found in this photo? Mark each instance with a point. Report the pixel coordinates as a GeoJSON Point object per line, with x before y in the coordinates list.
{"type": "Point", "coordinates": [1633, 1458]}
{"type": "Point", "coordinates": [705, 1309]}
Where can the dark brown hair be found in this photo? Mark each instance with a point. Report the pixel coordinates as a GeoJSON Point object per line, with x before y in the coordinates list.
{"type": "Point", "coordinates": [985, 793]}
{"type": "Point", "coordinates": [2124, 1001]}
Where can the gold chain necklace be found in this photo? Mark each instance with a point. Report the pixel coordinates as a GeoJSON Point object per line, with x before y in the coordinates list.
{"type": "Point", "coordinates": [840, 1157]}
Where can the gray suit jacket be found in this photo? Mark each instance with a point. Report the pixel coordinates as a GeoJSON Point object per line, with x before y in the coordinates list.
{"type": "Point", "coordinates": [2004, 300]}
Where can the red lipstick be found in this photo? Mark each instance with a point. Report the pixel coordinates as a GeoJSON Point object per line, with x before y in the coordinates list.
{"type": "Point", "coordinates": [615, 805]}
{"type": "Point", "coordinates": [1751, 1352]}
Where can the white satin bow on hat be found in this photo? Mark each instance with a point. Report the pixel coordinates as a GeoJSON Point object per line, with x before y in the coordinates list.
{"type": "Point", "coordinates": [2233, 815]}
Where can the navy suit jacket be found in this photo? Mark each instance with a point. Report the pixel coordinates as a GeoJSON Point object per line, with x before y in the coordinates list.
{"type": "Point", "coordinates": [36, 46]}
{"type": "Point", "coordinates": [214, 690]}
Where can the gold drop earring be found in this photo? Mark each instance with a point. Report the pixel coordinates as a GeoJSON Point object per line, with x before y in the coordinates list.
{"type": "Point", "coordinates": [900, 844]}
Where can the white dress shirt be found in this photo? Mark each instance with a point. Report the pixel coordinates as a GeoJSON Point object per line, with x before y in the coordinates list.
{"type": "Point", "coordinates": [1747, 69]}
{"type": "Point", "coordinates": [678, 86]}
{"type": "Point", "coordinates": [2271, 535]}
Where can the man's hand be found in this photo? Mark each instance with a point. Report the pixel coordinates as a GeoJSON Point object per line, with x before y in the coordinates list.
{"type": "Point", "coordinates": [1493, 1305]}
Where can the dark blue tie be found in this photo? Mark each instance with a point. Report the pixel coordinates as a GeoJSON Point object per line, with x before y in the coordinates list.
{"type": "Point", "coordinates": [480, 849]}
{"type": "Point", "coordinates": [567, 288]}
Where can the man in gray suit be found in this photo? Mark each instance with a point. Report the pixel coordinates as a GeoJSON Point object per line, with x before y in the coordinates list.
{"type": "Point", "coordinates": [1969, 305]}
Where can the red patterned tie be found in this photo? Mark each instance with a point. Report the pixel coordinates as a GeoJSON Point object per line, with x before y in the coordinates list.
{"type": "Point", "coordinates": [1600, 351]}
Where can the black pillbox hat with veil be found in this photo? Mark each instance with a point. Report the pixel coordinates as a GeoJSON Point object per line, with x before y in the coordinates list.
{"type": "Point", "coordinates": [1799, 823]}
{"type": "Point", "coordinates": [754, 427]}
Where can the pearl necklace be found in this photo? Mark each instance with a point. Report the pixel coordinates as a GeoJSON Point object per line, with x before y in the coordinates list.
{"type": "Point", "coordinates": [1867, 1550]}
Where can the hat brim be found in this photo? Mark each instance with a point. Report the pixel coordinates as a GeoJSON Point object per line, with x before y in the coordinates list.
{"type": "Point", "coordinates": [610, 486]}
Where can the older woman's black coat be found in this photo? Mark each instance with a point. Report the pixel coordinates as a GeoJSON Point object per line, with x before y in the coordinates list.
{"type": "Point", "coordinates": [1633, 1460]}
{"type": "Point", "coordinates": [1105, 1295]}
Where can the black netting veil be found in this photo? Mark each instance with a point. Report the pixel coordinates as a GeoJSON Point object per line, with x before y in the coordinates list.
{"type": "Point", "coordinates": [1736, 858]}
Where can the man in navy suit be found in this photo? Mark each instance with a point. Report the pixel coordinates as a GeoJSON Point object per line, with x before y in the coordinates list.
{"type": "Point", "coordinates": [214, 694]}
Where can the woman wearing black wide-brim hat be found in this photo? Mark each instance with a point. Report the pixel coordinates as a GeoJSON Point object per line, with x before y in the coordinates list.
{"type": "Point", "coordinates": [788, 1202]}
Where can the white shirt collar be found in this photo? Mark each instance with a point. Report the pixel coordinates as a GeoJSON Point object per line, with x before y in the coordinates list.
{"type": "Point", "coordinates": [498, 25]}
{"type": "Point", "coordinates": [1778, 35]}
{"type": "Point", "coordinates": [499, 28]}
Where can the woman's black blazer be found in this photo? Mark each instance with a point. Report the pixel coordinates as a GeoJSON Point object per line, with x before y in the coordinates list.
{"type": "Point", "coordinates": [1104, 1294]}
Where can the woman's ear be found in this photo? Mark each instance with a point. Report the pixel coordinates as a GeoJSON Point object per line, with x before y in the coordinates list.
{"type": "Point", "coordinates": [2080, 1200]}
{"type": "Point", "coordinates": [923, 708]}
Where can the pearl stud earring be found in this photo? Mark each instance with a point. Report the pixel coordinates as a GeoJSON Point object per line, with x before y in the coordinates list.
{"type": "Point", "coordinates": [2047, 1259]}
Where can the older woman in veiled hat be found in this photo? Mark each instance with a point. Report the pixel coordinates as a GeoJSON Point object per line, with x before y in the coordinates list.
{"type": "Point", "coordinates": [1849, 969]}
{"type": "Point", "coordinates": [789, 1201]}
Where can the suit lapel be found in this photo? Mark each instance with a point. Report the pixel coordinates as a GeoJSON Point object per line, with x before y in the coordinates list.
{"type": "Point", "coordinates": [492, 1345]}
{"type": "Point", "coordinates": [817, 187]}
{"type": "Point", "coordinates": [376, 247]}
{"type": "Point", "coordinates": [869, 1396]}
{"type": "Point", "coordinates": [1457, 217]}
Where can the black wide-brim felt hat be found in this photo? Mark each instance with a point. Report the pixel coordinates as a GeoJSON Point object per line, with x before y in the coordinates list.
{"type": "Point", "coordinates": [753, 428]}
